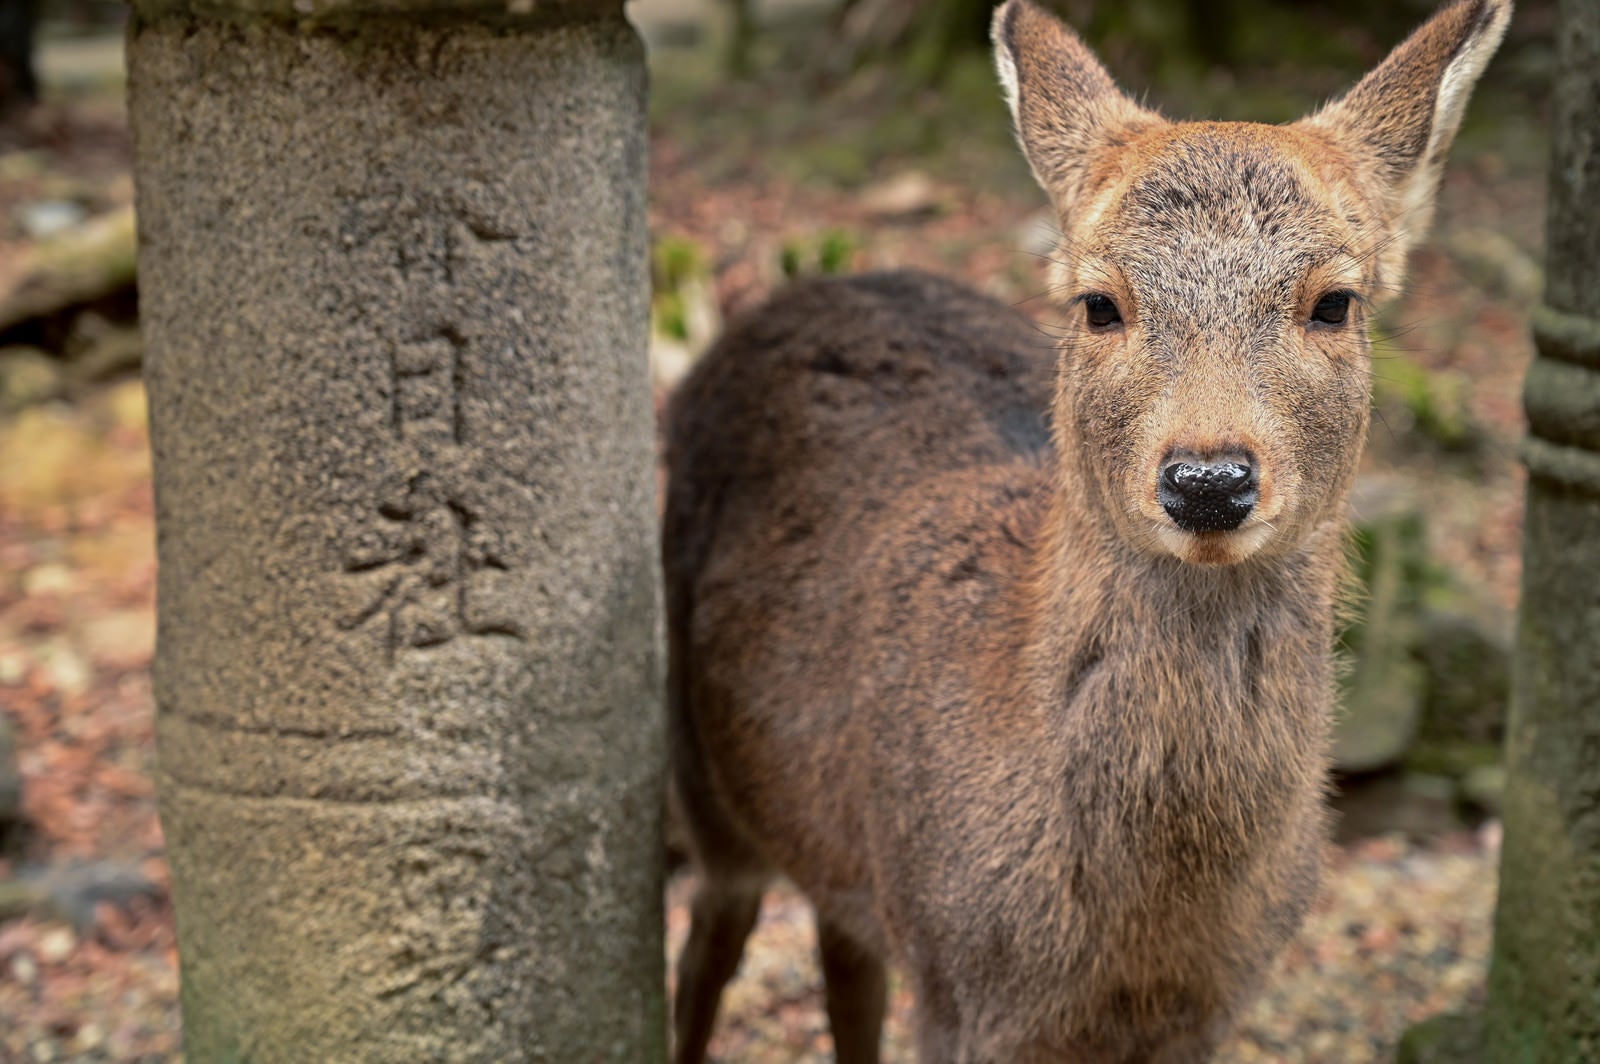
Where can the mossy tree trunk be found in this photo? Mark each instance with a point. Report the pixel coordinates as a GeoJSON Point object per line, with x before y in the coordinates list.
{"type": "Point", "coordinates": [920, 36]}
{"type": "Point", "coordinates": [1544, 988]}
{"type": "Point", "coordinates": [741, 37]}
{"type": "Point", "coordinates": [393, 284]}
{"type": "Point", "coordinates": [18, 83]}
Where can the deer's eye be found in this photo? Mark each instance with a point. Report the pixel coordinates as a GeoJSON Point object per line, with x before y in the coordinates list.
{"type": "Point", "coordinates": [1332, 309]}
{"type": "Point", "coordinates": [1100, 311]}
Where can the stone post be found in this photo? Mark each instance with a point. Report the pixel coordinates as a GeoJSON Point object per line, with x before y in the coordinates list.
{"type": "Point", "coordinates": [393, 282]}
{"type": "Point", "coordinates": [1544, 992]}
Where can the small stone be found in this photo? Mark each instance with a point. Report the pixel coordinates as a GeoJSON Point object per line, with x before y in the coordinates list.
{"type": "Point", "coordinates": [91, 1036]}
{"type": "Point", "coordinates": [49, 217]}
{"type": "Point", "coordinates": [66, 670]}
{"type": "Point", "coordinates": [57, 944]}
{"type": "Point", "coordinates": [129, 407]}
{"type": "Point", "coordinates": [51, 578]}
{"type": "Point", "coordinates": [907, 195]}
{"type": "Point", "coordinates": [24, 969]}
{"type": "Point", "coordinates": [125, 639]}
{"type": "Point", "coordinates": [670, 361]}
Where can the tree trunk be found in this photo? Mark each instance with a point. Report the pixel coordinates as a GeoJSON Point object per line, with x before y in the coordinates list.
{"type": "Point", "coordinates": [921, 35]}
{"type": "Point", "coordinates": [1544, 988]}
{"type": "Point", "coordinates": [393, 280]}
{"type": "Point", "coordinates": [18, 83]}
{"type": "Point", "coordinates": [741, 37]}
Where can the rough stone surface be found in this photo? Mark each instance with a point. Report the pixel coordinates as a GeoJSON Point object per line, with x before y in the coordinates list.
{"type": "Point", "coordinates": [394, 288]}
{"type": "Point", "coordinates": [1544, 994]}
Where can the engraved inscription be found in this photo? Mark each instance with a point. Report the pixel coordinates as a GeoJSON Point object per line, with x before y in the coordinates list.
{"type": "Point", "coordinates": [429, 567]}
{"type": "Point", "coordinates": [425, 389]}
{"type": "Point", "coordinates": [439, 564]}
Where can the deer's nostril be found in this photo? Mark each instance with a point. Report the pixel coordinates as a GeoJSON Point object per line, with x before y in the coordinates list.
{"type": "Point", "coordinates": [1207, 497]}
{"type": "Point", "coordinates": [1189, 478]}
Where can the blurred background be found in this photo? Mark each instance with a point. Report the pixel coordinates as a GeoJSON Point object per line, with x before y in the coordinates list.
{"type": "Point", "coordinates": [793, 137]}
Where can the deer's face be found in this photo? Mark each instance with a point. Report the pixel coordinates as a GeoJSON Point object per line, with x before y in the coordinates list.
{"type": "Point", "coordinates": [1213, 385]}
{"type": "Point", "coordinates": [1214, 373]}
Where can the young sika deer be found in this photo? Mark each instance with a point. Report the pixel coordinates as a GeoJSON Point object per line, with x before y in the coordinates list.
{"type": "Point", "coordinates": [1021, 667]}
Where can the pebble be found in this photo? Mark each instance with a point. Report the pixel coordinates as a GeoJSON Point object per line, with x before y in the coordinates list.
{"type": "Point", "coordinates": [48, 217]}
{"type": "Point", "coordinates": [65, 669]}
{"type": "Point", "coordinates": [24, 969]}
{"type": "Point", "coordinates": [51, 578]}
{"type": "Point", "coordinates": [13, 667]}
{"type": "Point", "coordinates": [906, 195]}
{"type": "Point", "coordinates": [56, 945]}
{"type": "Point", "coordinates": [90, 1036]}
{"type": "Point", "coordinates": [123, 639]}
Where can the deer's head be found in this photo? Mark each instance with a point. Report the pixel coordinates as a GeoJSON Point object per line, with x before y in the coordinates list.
{"type": "Point", "coordinates": [1219, 278]}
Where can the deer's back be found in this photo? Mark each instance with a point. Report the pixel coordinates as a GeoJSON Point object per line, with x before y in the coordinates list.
{"type": "Point", "coordinates": [838, 453]}
{"type": "Point", "coordinates": [908, 371]}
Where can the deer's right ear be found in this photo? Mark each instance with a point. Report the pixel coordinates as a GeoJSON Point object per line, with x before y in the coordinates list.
{"type": "Point", "coordinates": [1067, 109]}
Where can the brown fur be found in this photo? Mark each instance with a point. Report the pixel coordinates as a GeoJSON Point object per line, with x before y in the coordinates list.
{"type": "Point", "coordinates": [937, 652]}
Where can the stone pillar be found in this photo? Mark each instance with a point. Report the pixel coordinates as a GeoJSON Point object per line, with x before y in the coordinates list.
{"type": "Point", "coordinates": [393, 282]}
{"type": "Point", "coordinates": [1544, 993]}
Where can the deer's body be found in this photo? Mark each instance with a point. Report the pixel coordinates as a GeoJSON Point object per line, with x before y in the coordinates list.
{"type": "Point", "coordinates": [951, 652]}
{"type": "Point", "coordinates": [1105, 842]}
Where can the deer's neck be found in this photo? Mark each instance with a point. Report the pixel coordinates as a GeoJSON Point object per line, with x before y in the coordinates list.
{"type": "Point", "coordinates": [1189, 706]}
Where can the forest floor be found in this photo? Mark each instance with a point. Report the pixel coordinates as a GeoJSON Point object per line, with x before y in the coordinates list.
{"type": "Point", "coordinates": [88, 962]}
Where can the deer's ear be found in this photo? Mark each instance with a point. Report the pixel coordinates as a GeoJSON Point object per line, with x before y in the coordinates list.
{"type": "Point", "coordinates": [1068, 111]}
{"type": "Point", "coordinates": [1399, 120]}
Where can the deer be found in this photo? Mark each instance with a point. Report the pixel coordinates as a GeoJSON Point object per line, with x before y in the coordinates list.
{"type": "Point", "coordinates": [1014, 651]}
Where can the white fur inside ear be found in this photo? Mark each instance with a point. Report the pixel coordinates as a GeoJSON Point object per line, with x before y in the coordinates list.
{"type": "Point", "coordinates": [1005, 63]}
{"type": "Point", "coordinates": [1455, 89]}
{"type": "Point", "coordinates": [1462, 74]}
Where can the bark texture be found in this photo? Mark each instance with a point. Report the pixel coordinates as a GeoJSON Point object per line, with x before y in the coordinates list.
{"type": "Point", "coordinates": [1544, 996]}
{"type": "Point", "coordinates": [393, 283]}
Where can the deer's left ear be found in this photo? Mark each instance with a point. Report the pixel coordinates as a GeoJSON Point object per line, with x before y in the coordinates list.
{"type": "Point", "coordinates": [1399, 120]}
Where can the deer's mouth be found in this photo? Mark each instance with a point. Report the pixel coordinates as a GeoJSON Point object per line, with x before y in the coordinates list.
{"type": "Point", "coordinates": [1216, 526]}
{"type": "Point", "coordinates": [1213, 505]}
{"type": "Point", "coordinates": [1216, 547]}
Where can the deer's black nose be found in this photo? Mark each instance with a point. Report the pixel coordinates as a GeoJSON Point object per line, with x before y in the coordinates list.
{"type": "Point", "coordinates": [1208, 496]}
